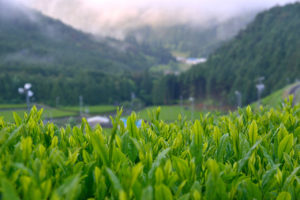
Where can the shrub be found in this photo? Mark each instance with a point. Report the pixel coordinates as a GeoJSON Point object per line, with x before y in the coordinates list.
{"type": "Point", "coordinates": [243, 155]}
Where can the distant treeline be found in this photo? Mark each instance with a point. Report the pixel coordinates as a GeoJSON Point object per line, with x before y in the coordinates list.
{"type": "Point", "coordinates": [193, 40]}
{"type": "Point", "coordinates": [63, 62]}
{"type": "Point", "coordinates": [269, 47]}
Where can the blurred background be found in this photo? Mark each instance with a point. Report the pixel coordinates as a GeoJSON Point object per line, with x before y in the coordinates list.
{"type": "Point", "coordinates": [85, 58]}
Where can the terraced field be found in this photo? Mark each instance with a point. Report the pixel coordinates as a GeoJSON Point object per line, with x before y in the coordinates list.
{"type": "Point", "coordinates": [6, 111]}
{"type": "Point", "coordinates": [245, 155]}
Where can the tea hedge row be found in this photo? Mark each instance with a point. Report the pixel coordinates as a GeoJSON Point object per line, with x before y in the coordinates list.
{"type": "Point", "coordinates": [243, 155]}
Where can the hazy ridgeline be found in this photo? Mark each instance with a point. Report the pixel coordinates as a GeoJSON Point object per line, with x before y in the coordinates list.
{"type": "Point", "coordinates": [61, 61]}
{"type": "Point", "coordinates": [191, 150]}
{"type": "Point", "coordinates": [244, 155]}
{"type": "Point", "coordinates": [269, 47]}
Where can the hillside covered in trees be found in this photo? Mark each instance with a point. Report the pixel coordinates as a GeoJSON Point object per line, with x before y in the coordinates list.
{"type": "Point", "coordinates": [28, 36]}
{"type": "Point", "coordinates": [63, 62]}
{"type": "Point", "coordinates": [192, 39]}
{"type": "Point", "coordinates": [269, 47]}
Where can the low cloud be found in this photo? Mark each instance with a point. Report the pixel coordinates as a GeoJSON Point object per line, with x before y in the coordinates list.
{"type": "Point", "coordinates": [106, 17]}
{"type": "Point", "coordinates": [29, 57]}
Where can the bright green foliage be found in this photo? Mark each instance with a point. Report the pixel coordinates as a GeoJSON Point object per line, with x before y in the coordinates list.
{"type": "Point", "coordinates": [48, 113]}
{"type": "Point", "coordinates": [169, 113]}
{"type": "Point", "coordinates": [258, 50]}
{"type": "Point", "coordinates": [67, 63]}
{"type": "Point", "coordinates": [93, 109]}
{"type": "Point", "coordinates": [239, 156]}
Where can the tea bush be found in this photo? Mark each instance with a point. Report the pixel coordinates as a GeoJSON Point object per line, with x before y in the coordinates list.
{"type": "Point", "coordinates": [243, 155]}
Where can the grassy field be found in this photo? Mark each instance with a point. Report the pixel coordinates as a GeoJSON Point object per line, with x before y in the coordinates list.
{"type": "Point", "coordinates": [6, 111]}
{"type": "Point", "coordinates": [180, 54]}
{"type": "Point", "coordinates": [48, 113]}
{"type": "Point", "coordinates": [169, 113]}
{"type": "Point", "coordinates": [12, 106]}
{"type": "Point", "coordinates": [245, 155]}
{"type": "Point", "coordinates": [55, 113]}
{"type": "Point", "coordinates": [8, 114]}
{"type": "Point", "coordinates": [274, 99]}
{"type": "Point", "coordinates": [171, 67]}
{"type": "Point", "coordinates": [92, 109]}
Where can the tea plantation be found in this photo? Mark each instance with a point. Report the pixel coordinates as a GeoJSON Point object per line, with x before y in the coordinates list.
{"type": "Point", "coordinates": [242, 155]}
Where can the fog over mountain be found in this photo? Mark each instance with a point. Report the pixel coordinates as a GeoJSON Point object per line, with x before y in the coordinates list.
{"type": "Point", "coordinates": [114, 17]}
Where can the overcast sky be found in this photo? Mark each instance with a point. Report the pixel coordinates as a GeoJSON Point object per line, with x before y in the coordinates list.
{"type": "Point", "coordinates": [112, 15]}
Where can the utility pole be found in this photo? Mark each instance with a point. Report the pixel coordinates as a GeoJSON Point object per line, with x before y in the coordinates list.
{"type": "Point", "coordinates": [57, 101]}
{"type": "Point", "coordinates": [26, 90]}
{"type": "Point", "coordinates": [80, 105]}
{"type": "Point", "coordinates": [238, 98]}
{"type": "Point", "coordinates": [192, 100]}
{"type": "Point", "coordinates": [181, 105]}
{"type": "Point", "coordinates": [260, 88]}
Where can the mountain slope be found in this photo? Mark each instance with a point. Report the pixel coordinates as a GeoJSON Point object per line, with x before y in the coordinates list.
{"type": "Point", "coordinates": [28, 37]}
{"type": "Point", "coordinates": [63, 63]}
{"type": "Point", "coordinates": [278, 97]}
{"type": "Point", "coordinates": [193, 40]}
{"type": "Point", "coordinates": [269, 47]}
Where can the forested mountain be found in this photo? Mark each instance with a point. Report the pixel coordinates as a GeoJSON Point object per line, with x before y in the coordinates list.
{"type": "Point", "coordinates": [61, 61]}
{"type": "Point", "coordinates": [269, 47]}
{"type": "Point", "coordinates": [192, 39]}
{"type": "Point", "coordinates": [29, 36]}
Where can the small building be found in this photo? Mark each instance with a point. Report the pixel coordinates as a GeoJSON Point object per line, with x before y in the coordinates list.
{"type": "Point", "coordinates": [102, 120]}
{"type": "Point", "coordinates": [195, 61]}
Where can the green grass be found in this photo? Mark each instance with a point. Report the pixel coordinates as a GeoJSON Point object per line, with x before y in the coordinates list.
{"type": "Point", "coordinates": [12, 106]}
{"type": "Point", "coordinates": [245, 155]}
{"type": "Point", "coordinates": [8, 114]}
{"type": "Point", "coordinates": [171, 67]}
{"type": "Point", "coordinates": [169, 113]}
{"type": "Point", "coordinates": [99, 109]}
{"type": "Point", "coordinates": [184, 66]}
{"type": "Point", "coordinates": [48, 113]}
{"type": "Point", "coordinates": [180, 54]}
{"type": "Point", "coordinates": [51, 112]}
{"type": "Point", "coordinates": [276, 98]}
{"type": "Point", "coordinates": [161, 68]}
{"type": "Point", "coordinates": [55, 113]}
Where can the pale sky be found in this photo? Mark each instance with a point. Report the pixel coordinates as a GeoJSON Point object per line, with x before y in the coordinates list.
{"type": "Point", "coordinates": [100, 16]}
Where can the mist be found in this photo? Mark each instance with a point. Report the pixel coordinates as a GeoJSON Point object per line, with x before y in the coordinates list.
{"type": "Point", "coordinates": [29, 57]}
{"type": "Point", "coordinates": [114, 17]}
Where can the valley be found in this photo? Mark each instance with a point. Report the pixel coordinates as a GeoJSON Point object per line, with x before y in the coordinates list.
{"type": "Point", "coordinates": [149, 100]}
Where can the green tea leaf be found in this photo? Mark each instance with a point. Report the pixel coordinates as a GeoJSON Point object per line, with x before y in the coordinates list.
{"type": "Point", "coordinates": [284, 196]}
{"type": "Point", "coordinates": [285, 146]}
{"type": "Point", "coordinates": [100, 147]}
{"type": "Point", "coordinates": [70, 187]}
{"type": "Point", "coordinates": [8, 190]}
{"type": "Point", "coordinates": [268, 177]}
{"type": "Point", "coordinates": [244, 160]}
{"type": "Point", "coordinates": [17, 119]}
{"type": "Point", "coordinates": [163, 192]}
{"type": "Point", "coordinates": [290, 178]}
{"type": "Point", "coordinates": [114, 180]}
{"type": "Point", "coordinates": [253, 133]}
{"type": "Point", "coordinates": [161, 156]}
{"type": "Point", "coordinates": [147, 193]}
